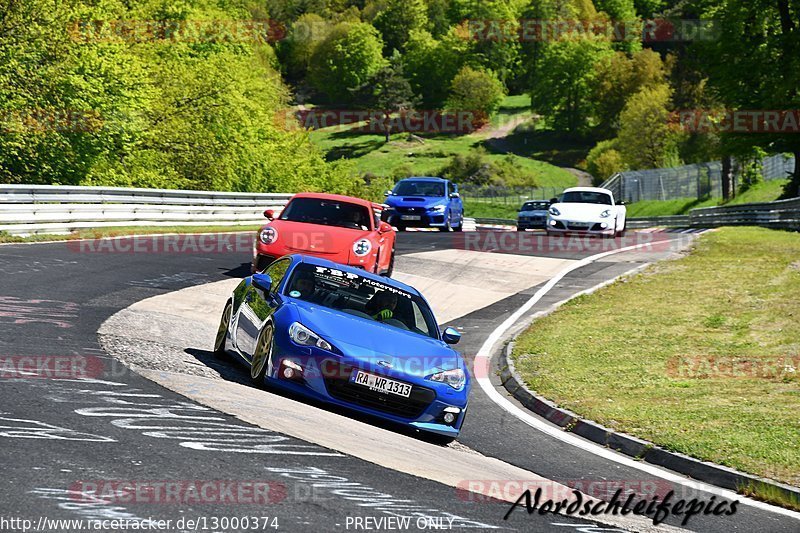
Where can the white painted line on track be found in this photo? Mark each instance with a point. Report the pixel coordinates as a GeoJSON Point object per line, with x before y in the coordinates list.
{"type": "Point", "coordinates": [483, 369]}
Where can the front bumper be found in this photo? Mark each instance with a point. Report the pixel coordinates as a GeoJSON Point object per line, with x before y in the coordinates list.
{"type": "Point", "coordinates": [427, 219]}
{"type": "Point", "coordinates": [532, 222]}
{"type": "Point", "coordinates": [326, 378]}
{"type": "Point", "coordinates": [581, 227]}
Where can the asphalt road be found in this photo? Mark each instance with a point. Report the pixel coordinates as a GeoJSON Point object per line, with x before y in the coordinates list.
{"type": "Point", "coordinates": [61, 438]}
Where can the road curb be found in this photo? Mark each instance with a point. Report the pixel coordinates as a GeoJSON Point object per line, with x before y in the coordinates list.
{"type": "Point", "coordinates": [708, 472]}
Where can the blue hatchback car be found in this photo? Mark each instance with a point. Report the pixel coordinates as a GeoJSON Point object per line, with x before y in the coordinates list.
{"type": "Point", "coordinates": [424, 202]}
{"type": "Point", "coordinates": [347, 337]}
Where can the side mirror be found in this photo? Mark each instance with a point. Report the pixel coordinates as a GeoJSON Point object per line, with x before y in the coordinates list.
{"type": "Point", "coordinates": [387, 193]}
{"type": "Point", "coordinates": [269, 214]}
{"type": "Point", "coordinates": [553, 201]}
{"type": "Point", "coordinates": [263, 282]}
{"type": "Point", "coordinates": [622, 202]}
{"type": "Point", "coordinates": [451, 336]}
{"type": "Point", "coordinates": [455, 195]}
{"type": "Point", "coordinates": [384, 227]}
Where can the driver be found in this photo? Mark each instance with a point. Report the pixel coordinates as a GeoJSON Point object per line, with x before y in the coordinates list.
{"type": "Point", "coordinates": [382, 305]}
{"type": "Point", "coordinates": [305, 284]}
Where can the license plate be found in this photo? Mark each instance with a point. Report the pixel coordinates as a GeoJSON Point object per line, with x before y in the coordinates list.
{"type": "Point", "coordinates": [410, 217]}
{"type": "Point", "coordinates": [382, 384]}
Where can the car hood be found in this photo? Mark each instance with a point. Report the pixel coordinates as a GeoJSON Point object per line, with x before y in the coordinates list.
{"type": "Point", "coordinates": [369, 341]}
{"type": "Point", "coordinates": [415, 201]}
{"type": "Point", "coordinates": [581, 211]}
{"type": "Point", "coordinates": [302, 237]}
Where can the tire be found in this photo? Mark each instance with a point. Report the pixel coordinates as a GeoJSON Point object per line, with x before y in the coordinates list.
{"type": "Point", "coordinates": [400, 228]}
{"type": "Point", "coordinates": [262, 354]}
{"type": "Point", "coordinates": [377, 268]}
{"type": "Point", "coordinates": [447, 227]}
{"type": "Point", "coordinates": [520, 229]}
{"type": "Point", "coordinates": [621, 233]}
{"type": "Point", "coordinates": [460, 226]}
{"type": "Point", "coordinates": [222, 331]}
{"type": "Point", "coordinates": [390, 270]}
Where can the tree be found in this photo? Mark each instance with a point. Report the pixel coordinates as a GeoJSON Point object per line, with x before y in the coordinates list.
{"type": "Point", "coordinates": [345, 60]}
{"type": "Point", "coordinates": [618, 78]}
{"type": "Point", "coordinates": [562, 88]}
{"type": "Point", "coordinates": [302, 39]}
{"type": "Point", "coordinates": [478, 91]}
{"type": "Point", "coordinates": [432, 64]}
{"type": "Point", "coordinates": [387, 91]}
{"type": "Point", "coordinates": [646, 139]}
{"type": "Point", "coordinates": [753, 63]}
{"type": "Point", "coordinates": [398, 19]}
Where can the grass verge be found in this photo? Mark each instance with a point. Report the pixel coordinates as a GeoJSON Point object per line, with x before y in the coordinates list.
{"type": "Point", "coordinates": [121, 231]}
{"type": "Point", "coordinates": [698, 355]}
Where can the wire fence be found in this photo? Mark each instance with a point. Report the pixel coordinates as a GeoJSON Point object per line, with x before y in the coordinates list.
{"type": "Point", "coordinates": [515, 196]}
{"type": "Point", "coordinates": [703, 180]}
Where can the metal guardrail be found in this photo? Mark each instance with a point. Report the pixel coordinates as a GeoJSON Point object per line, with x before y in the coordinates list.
{"type": "Point", "coordinates": [28, 209]}
{"type": "Point", "coordinates": [782, 214]}
{"type": "Point", "coordinates": [676, 221]}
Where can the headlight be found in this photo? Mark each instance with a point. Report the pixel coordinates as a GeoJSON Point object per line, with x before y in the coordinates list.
{"type": "Point", "coordinates": [305, 337]}
{"type": "Point", "coordinates": [438, 208]}
{"type": "Point", "coordinates": [455, 378]}
{"type": "Point", "coordinates": [606, 213]}
{"type": "Point", "coordinates": [268, 235]}
{"type": "Point", "coordinates": [362, 247]}
{"type": "Point", "coordinates": [555, 212]}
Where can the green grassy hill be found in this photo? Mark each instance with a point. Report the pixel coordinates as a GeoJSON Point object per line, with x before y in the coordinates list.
{"type": "Point", "coordinates": [372, 154]}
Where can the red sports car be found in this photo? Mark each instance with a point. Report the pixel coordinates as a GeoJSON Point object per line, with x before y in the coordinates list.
{"type": "Point", "coordinates": [339, 228]}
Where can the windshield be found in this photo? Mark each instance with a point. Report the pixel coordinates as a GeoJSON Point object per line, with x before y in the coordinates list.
{"type": "Point", "coordinates": [327, 212]}
{"type": "Point", "coordinates": [362, 297]}
{"type": "Point", "coordinates": [535, 206]}
{"type": "Point", "coordinates": [586, 197]}
{"type": "Point", "coordinates": [419, 188]}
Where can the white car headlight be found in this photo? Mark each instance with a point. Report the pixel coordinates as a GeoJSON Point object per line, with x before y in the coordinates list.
{"type": "Point", "coordinates": [362, 247]}
{"type": "Point", "coordinates": [555, 212]}
{"type": "Point", "coordinates": [439, 208]}
{"type": "Point", "coordinates": [455, 378]}
{"type": "Point", "coordinates": [268, 235]}
{"type": "Point", "coordinates": [305, 337]}
{"type": "Point", "coordinates": [606, 213]}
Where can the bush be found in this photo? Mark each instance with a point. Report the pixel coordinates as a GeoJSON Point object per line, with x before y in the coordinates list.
{"type": "Point", "coordinates": [476, 169]}
{"type": "Point", "coordinates": [604, 160]}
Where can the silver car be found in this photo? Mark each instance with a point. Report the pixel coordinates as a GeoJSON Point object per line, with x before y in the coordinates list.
{"type": "Point", "coordinates": [533, 215]}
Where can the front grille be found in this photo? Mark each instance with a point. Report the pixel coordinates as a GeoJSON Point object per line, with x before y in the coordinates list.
{"type": "Point", "coordinates": [410, 210]}
{"type": "Point", "coordinates": [597, 227]}
{"type": "Point", "coordinates": [340, 387]}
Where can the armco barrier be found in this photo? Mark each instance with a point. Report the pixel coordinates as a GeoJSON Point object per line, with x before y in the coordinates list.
{"type": "Point", "coordinates": [28, 209]}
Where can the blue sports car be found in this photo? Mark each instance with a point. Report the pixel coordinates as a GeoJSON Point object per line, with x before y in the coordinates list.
{"type": "Point", "coordinates": [350, 338]}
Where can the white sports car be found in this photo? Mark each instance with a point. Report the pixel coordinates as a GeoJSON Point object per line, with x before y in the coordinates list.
{"type": "Point", "coordinates": [587, 211]}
